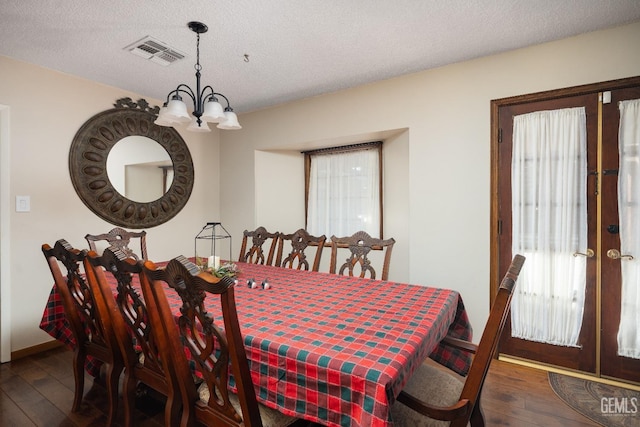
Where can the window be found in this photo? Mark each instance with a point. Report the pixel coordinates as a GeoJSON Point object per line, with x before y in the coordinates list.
{"type": "Point", "coordinates": [343, 190]}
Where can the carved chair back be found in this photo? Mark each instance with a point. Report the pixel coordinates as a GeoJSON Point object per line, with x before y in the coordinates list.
{"type": "Point", "coordinates": [359, 246]}
{"type": "Point", "coordinates": [120, 239]}
{"type": "Point", "coordinates": [89, 320]}
{"type": "Point", "coordinates": [260, 240]}
{"type": "Point", "coordinates": [141, 345]}
{"type": "Point", "coordinates": [297, 258]}
{"type": "Point", "coordinates": [214, 342]}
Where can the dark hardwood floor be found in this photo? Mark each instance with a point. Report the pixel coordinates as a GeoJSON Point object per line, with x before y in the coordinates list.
{"type": "Point", "coordinates": [38, 391]}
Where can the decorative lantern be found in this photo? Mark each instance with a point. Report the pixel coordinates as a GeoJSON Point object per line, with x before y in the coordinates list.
{"type": "Point", "coordinates": [207, 244]}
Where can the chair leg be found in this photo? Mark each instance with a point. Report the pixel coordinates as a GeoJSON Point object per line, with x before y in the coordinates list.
{"type": "Point", "coordinates": [129, 390]}
{"type": "Point", "coordinates": [79, 358]}
{"type": "Point", "coordinates": [477, 419]}
{"type": "Point", "coordinates": [113, 371]}
{"type": "Point", "coordinates": [173, 413]}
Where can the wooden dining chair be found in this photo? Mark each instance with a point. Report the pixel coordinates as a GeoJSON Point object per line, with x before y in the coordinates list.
{"type": "Point", "coordinates": [297, 258]}
{"type": "Point", "coordinates": [89, 321]}
{"type": "Point", "coordinates": [433, 394]}
{"type": "Point", "coordinates": [359, 246]}
{"type": "Point", "coordinates": [120, 238]}
{"type": "Point", "coordinates": [215, 344]}
{"type": "Point", "coordinates": [142, 346]}
{"type": "Point", "coordinates": [260, 238]}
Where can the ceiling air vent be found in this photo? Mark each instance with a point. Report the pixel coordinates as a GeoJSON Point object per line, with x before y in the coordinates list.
{"type": "Point", "coordinates": [155, 51]}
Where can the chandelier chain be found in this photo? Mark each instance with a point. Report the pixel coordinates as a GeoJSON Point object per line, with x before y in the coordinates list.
{"type": "Point", "coordinates": [198, 67]}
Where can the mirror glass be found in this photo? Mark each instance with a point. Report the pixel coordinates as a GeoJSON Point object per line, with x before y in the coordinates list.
{"type": "Point", "coordinates": [128, 170]}
{"type": "Point", "coordinates": [139, 168]}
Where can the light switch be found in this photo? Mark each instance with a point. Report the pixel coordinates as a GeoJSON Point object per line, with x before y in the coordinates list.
{"type": "Point", "coordinates": [23, 203]}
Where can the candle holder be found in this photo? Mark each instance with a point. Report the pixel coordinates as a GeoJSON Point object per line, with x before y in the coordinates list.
{"type": "Point", "coordinates": [206, 246]}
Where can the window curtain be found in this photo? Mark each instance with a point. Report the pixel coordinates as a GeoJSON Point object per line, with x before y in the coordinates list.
{"type": "Point", "coordinates": [549, 224]}
{"type": "Point", "coordinates": [629, 211]}
{"type": "Point", "coordinates": [344, 193]}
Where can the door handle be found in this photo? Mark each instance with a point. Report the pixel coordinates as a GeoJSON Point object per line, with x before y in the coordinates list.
{"type": "Point", "coordinates": [588, 254]}
{"type": "Point", "coordinates": [615, 254]}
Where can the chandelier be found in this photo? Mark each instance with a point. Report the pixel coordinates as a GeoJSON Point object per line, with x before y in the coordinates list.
{"type": "Point", "coordinates": [206, 108]}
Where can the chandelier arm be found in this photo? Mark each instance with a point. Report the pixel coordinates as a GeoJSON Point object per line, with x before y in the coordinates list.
{"type": "Point", "coordinates": [181, 89]}
{"type": "Point", "coordinates": [225, 98]}
{"type": "Point", "coordinates": [203, 95]}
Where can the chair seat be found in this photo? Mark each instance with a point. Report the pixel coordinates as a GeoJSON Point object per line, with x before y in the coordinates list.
{"type": "Point", "coordinates": [270, 417]}
{"type": "Point", "coordinates": [433, 385]}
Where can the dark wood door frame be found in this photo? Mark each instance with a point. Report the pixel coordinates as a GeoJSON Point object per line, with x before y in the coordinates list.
{"type": "Point", "coordinates": [616, 366]}
{"type": "Point", "coordinates": [495, 272]}
{"type": "Point", "coordinates": [500, 224]}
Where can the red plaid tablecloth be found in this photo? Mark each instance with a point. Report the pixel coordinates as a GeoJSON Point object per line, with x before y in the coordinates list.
{"type": "Point", "coordinates": [333, 349]}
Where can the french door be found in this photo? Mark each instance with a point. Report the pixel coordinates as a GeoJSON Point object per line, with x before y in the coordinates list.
{"type": "Point", "coordinates": [614, 258]}
{"type": "Point", "coordinates": [579, 253]}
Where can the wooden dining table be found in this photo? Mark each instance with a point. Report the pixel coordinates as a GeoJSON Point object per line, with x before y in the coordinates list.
{"type": "Point", "coordinates": [336, 350]}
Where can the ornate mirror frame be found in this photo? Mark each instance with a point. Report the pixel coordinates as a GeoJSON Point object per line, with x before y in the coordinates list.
{"type": "Point", "coordinates": [88, 165]}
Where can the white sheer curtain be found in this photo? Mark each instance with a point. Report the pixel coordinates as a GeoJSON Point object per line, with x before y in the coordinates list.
{"type": "Point", "coordinates": [344, 193]}
{"type": "Point", "coordinates": [549, 220]}
{"type": "Point", "coordinates": [629, 211]}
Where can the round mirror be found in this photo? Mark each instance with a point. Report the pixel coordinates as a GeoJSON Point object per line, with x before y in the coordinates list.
{"type": "Point", "coordinates": [113, 192]}
{"type": "Point", "coordinates": [139, 168]}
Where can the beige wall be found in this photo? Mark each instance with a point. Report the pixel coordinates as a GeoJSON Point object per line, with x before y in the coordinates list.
{"type": "Point", "coordinates": [435, 125]}
{"type": "Point", "coordinates": [437, 160]}
{"type": "Point", "coordinates": [46, 109]}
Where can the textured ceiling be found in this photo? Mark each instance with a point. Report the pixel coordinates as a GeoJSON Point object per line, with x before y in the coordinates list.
{"type": "Point", "coordinates": [296, 48]}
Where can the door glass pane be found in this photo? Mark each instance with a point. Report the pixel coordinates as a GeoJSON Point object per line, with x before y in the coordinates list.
{"type": "Point", "coordinates": [629, 209]}
{"type": "Point", "coordinates": [549, 220]}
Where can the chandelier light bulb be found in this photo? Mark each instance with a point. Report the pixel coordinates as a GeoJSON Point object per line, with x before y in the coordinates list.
{"type": "Point", "coordinates": [177, 111]}
{"type": "Point", "coordinates": [195, 127]}
{"type": "Point", "coordinates": [162, 119]}
{"type": "Point", "coordinates": [213, 111]}
{"type": "Point", "coordinates": [230, 122]}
